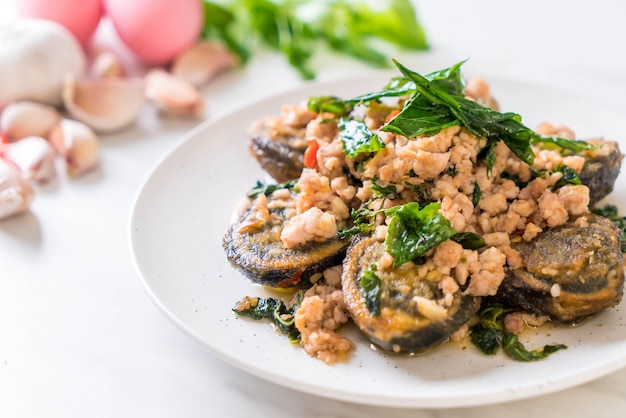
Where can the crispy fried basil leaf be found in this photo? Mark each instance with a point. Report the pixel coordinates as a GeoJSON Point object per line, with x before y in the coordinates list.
{"type": "Point", "coordinates": [569, 176]}
{"type": "Point", "coordinates": [388, 192]}
{"type": "Point", "coordinates": [371, 289]}
{"type": "Point", "coordinates": [330, 104]}
{"type": "Point", "coordinates": [448, 79]}
{"type": "Point", "coordinates": [469, 240]}
{"type": "Point", "coordinates": [274, 309]}
{"type": "Point", "coordinates": [575, 146]}
{"type": "Point", "coordinates": [489, 335]}
{"type": "Point", "coordinates": [362, 222]}
{"type": "Point", "coordinates": [476, 194]}
{"type": "Point", "coordinates": [432, 108]}
{"type": "Point", "coordinates": [412, 232]}
{"type": "Point", "coordinates": [268, 189]}
{"type": "Point", "coordinates": [357, 138]}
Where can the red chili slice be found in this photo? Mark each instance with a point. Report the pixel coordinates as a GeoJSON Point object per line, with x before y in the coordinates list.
{"type": "Point", "coordinates": [392, 115]}
{"type": "Point", "coordinates": [310, 155]}
{"type": "Point", "coordinates": [291, 281]}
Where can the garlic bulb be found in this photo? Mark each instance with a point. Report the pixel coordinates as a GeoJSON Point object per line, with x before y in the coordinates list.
{"type": "Point", "coordinates": [35, 56]}
{"type": "Point", "coordinates": [22, 119]}
{"type": "Point", "coordinates": [105, 105]}
{"type": "Point", "coordinates": [34, 156]}
{"type": "Point", "coordinates": [77, 144]}
{"type": "Point", "coordinates": [16, 193]}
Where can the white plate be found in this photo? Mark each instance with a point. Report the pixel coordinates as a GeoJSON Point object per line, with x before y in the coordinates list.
{"type": "Point", "coordinates": [183, 210]}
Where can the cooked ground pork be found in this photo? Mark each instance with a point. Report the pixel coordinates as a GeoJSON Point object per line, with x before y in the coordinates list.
{"type": "Point", "coordinates": [312, 225]}
{"type": "Point", "coordinates": [516, 322]}
{"type": "Point", "coordinates": [322, 311]}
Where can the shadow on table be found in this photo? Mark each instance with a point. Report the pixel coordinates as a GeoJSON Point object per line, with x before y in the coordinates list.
{"type": "Point", "coordinates": [24, 227]}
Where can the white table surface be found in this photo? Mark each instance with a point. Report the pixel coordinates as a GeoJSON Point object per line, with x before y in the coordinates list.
{"type": "Point", "coordinates": [79, 337]}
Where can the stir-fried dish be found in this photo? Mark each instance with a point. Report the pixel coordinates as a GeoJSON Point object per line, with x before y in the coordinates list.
{"type": "Point", "coordinates": [422, 213]}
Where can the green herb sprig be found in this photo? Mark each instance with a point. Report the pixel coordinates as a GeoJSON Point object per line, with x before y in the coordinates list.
{"type": "Point", "coordinates": [436, 101]}
{"type": "Point", "coordinates": [268, 189]}
{"type": "Point", "coordinates": [433, 108]}
{"type": "Point", "coordinates": [489, 336]}
{"type": "Point", "coordinates": [274, 309]}
{"type": "Point", "coordinates": [296, 28]}
{"type": "Point", "coordinates": [371, 289]}
{"type": "Point", "coordinates": [357, 138]}
{"type": "Point", "coordinates": [611, 212]}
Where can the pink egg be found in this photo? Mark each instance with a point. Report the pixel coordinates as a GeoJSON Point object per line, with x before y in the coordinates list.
{"type": "Point", "coordinates": [80, 17]}
{"type": "Point", "coordinates": [156, 30]}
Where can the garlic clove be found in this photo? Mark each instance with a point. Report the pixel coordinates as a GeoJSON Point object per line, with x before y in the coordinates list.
{"type": "Point", "coordinates": [34, 156]}
{"type": "Point", "coordinates": [106, 64]}
{"type": "Point", "coordinates": [25, 118]}
{"type": "Point", "coordinates": [173, 94]}
{"type": "Point", "coordinates": [77, 144]}
{"type": "Point", "coordinates": [202, 61]}
{"type": "Point", "coordinates": [16, 193]}
{"type": "Point", "coordinates": [106, 105]}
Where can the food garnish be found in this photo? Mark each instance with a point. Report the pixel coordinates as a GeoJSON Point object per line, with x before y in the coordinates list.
{"type": "Point", "coordinates": [489, 335]}
{"type": "Point", "coordinates": [282, 315]}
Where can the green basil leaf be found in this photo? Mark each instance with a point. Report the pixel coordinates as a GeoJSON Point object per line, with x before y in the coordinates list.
{"type": "Point", "coordinates": [575, 146]}
{"type": "Point", "coordinates": [515, 349]}
{"type": "Point", "coordinates": [371, 289]}
{"type": "Point", "coordinates": [296, 27]}
{"type": "Point", "coordinates": [349, 27]}
{"type": "Point", "coordinates": [469, 240]}
{"type": "Point", "coordinates": [362, 220]}
{"type": "Point", "coordinates": [489, 335]}
{"type": "Point", "coordinates": [268, 189]}
{"type": "Point", "coordinates": [412, 231]}
{"type": "Point", "coordinates": [330, 104]}
{"type": "Point", "coordinates": [357, 138]}
{"type": "Point", "coordinates": [420, 117]}
{"type": "Point", "coordinates": [432, 108]}
{"type": "Point", "coordinates": [396, 23]}
{"type": "Point", "coordinates": [275, 310]}
{"type": "Point", "coordinates": [490, 158]}
{"type": "Point", "coordinates": [448, 79]}
{"type": "Point", "coordinates": [389, 192]}
{"type": "Point", "coordinates": [397, 87]}
{"type": "Point", "coordinates": [220, 22]}
{"type": "Point", "coordinates": [487, 339]}
{"type": "Point", "coordinates": [569, 176]}
{"type": "Point", "coordinates": [476, 195]}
